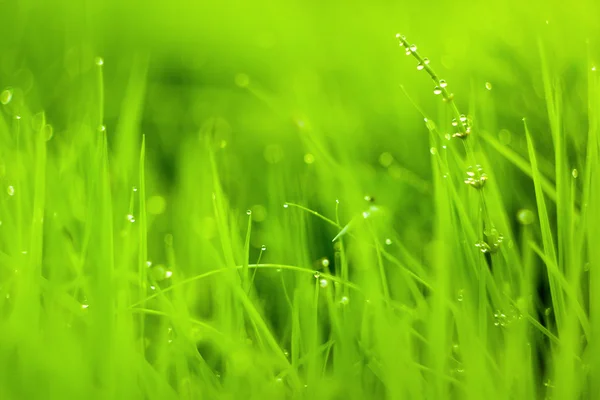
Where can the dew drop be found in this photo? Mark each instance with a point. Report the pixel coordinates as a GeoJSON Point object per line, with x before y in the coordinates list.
{"type": "Point", "coordinates": [420, 66]}
{"type": "Point", "coordinates": [594, 68]}
{"type": "Point", "coordinates": [135, 189]}
{"type": "Point", "coordinates": [344, 300]}
{"type": "Point", "coordinates": [309, 158]}
{"type": "Point", "coordinates": [443, 83]}
{"type": "Point", "coordinates": [525, 216]}
{"type": "Point", "coordinates": [386, 159]}
{"type": "Point", "coordinates": [248, 212]}
{"type": "Point", "coordinates": [48, 132]}
{"type": "Point", "coordinates": [168, 274]}
{"type": "Point", "coordinates": [447, 136]}
{"type": "Point", "coordinates": [388, 241]}
{"type": "Point", "coordinates": [285, 205]}
{"type": "Point", "coordinates": [242, 80]}
{"type": "Point", "coordinates": [99, 61]}
{"type": "Point", "coordinates": [148, 264]}
{"type": "Point", "coordinates": [85, 306]}
{"type": "Point", "coordinates": [325, 262]}
{"type": "Point", "coordinates": [437, 90]}
{"type": "Point", "coordinates": [454, 122]}
{"type": "Point", "coordinates": [10, 190]}
{"type": "Point", "coordinates": [426, 61]}
{"type": "Point", "coordinates": [323, 283]}
{"type": "Point", "coordinates": [413, 48]}
{"type": "Point", "coordinates": [463, 118]}
{"type": "Point", "coordinates": [263, 248]}
{"type": "Point", "coordinates": [130, 218]}
{"type": "Point", "coordinates": [102, 128]}
{"type": "Point", "coordinates": [433, 151]}
{"type": "Point", "coordinates": [6, 96]}
{"type": "Point", "coordinates": [575, 173]}
{"type": "Point", "coordinates": [488, 86]}
{"type": "Point", "coordinates": [586, 266]}
{"type": "Point", "coordinates": [461, 295]}
{"type": "Point", "coordinates": [317, 274]}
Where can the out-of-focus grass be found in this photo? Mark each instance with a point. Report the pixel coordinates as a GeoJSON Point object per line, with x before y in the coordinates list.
{"type": "Point", "coordinates": [172, 176]}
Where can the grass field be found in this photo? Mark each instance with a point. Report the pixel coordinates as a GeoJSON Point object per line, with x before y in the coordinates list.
{"type": "Point", "coordinates": [274, 200]}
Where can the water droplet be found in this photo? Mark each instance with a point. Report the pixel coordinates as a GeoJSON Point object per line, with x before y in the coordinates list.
{"type": "Point", "coordinates": [6, 96]}
{"type": "Point", "coordinates": [99, 61]}
{"type": "Point", "coordinates": [85, 306]}
{"type": "Point", "coordinates": [263, 248]}
{"type": "Point", "coordinates": [525, 216]}
{"type": "Point", "coordinates": [443, 83]}
{"type": "Point", "coordinates": [488, 86]}
{"type": "Point", "coordinates": [168, 274]}
{"type": "Point", "coordinates": [344, 300]}
{"type": "Point", "coordinates": [152, 287]}
{"type": "Point", "coordinates": [429, 124]}
{"type": "Point", "coordinates": [454, 122]}
{"type": "Point", "coordinates": [386, 159]}
{"type": "Point", "coordinates": [309, 158]}
{"type": "Point", "coordinates": [135, 189]}
{"type": "Point", "coordinates": [148, 264]}
{"type": "Point", "coordinates": [248, 212]}
{"type": "Point", "coordinates": [575, 173]}
{"type": "Point", "coordinates": [426, 61]}
{"type": "Point", "coordinates": [437, 90]}
{"type": "Point", "coordinates": [447, 136]}
{"type": "Point", "coordinates": [323, 283]}
{"type": "Point", "coordinates": [365, 214]}
{"type": "Point", "coordinates": [547, 312]}
{"type": "Point", "coordinates": [433, 151]}
{"type": "Point", "coordinates": [156, 205]}
{"type": "Point", "coordinates": [325, 262]}
{"type": "Point", "coordinates": [48, 132]}
{"type": "Point", "coordinates": [285, 205]}
{"type": "Point", "coordinates": [10, 190]}
{"type": "Point", "coordinates": [463, 118]}
{"type": "Point", "coordinates": [317, 274]}
{"type": "Point", "coordinates": [413, 48]}
{"type": "Point", "coordinates": [242, 80]}
{"type": "Point", "coordinates": [420, 66]}
{"type": "Point", "coordinates": [461, 295]}
{"type": "Point", "coordinates": [17, 117]}
{"type": "Point", "coordinates": [504, 136]}
{"type": "Point", "coordinates": [594, 68]}
{"type": "Point", "coordinates": [130, 218]}
{"type": "Point", "coordinates": [102, 128]}
{"type": "Point", "coordinates": [286, 353]}
{"type": "Point", "coordinates": [388, 241]}
{"type": "Point", "coordinates": [586, 266]}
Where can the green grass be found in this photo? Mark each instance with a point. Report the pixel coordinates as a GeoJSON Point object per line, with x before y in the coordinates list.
{"type": "Point", "coordinates": [234, 204]}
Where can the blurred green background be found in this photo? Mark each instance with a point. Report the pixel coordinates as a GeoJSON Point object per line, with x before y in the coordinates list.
{"type": "Point", "coordinates": [300, 101]}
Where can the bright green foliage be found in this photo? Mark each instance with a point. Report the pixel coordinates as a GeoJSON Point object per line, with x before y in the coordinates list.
{"type": "Point", "coordinates": [269, 201]}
